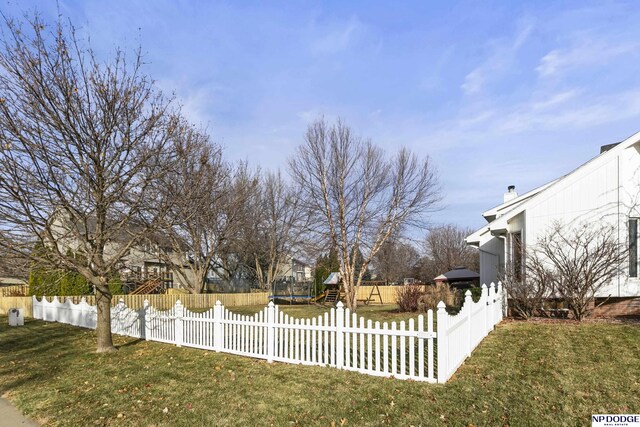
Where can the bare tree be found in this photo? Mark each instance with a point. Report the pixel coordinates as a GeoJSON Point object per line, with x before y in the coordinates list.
{"type": "Point", "coordinates": [13, 264]}
{"type": "Point", "coordinates": [395, 260]}
{"type": "Point", "coordinates": [81, 144]}
{"type": "Point", "coordinates": [446, 249]}
{"type": "Point", "coordinates": [358, 196]}
{"type": "Point", "coordinates": [199, 186]}
{"type": "Point", "coordinates": [235, 217]}
{"type": "Point", "coordinates": [278, 226]}
{"type": "Point", "coordinates": [578, 262]}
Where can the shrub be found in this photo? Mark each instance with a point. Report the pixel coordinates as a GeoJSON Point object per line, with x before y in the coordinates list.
{"type": "Point", "coordinates": [407, 297]}
{"type": "Point", "coordinates": [73, 283]}
{"type": "Point", "coordinates": [476, 293]}
{"type": "Point", "coordinates": [439, 292]}
{"type": "Point", "coordinates": [43, 281]}
{"type": "Point", "coordinates": [115, 285]}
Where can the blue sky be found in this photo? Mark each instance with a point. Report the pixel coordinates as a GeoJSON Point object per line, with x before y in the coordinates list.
{"type": "Point", "coordinates": [497, 93]}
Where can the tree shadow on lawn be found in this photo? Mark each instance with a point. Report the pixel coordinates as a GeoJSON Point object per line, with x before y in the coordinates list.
{"type": "Point", "coordinates": [135, 341]}
{"type": "Point", "coordinates": [45, 351]}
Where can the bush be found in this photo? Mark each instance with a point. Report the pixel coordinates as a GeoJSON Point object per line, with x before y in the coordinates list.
{"type": "Point", "coordinates": [436, 293]}
{"type": "Point", "coordinates": [476, 293]}
{"type": "Point", "coordinates": [115, 285]}
{"type": "Point", "coordinates": [407, 297]}
{"type": "Point", "coordinates": [73, 283]}
{"type": "Point", "coordinates": [43, 281]}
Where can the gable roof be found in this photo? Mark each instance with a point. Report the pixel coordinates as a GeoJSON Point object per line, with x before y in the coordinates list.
{"type": "Point", "coordinates": [500, 215]}
{"type": "Point", "coordinates": [493, 213]}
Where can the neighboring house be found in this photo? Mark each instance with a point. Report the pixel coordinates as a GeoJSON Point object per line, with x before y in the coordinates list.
{"type": "Point", "coordinates": [145, 262]}
{"type": "Point", "coordinates": [605, 190]}
{"type": "Point", "coordinates": [12, 281]}
{"type": "Point", "coordinates": [11, 286]}
{"type": "Point", "coordinates": [295, 269]}
{"type": "Point", "coordinates": [142, 262]}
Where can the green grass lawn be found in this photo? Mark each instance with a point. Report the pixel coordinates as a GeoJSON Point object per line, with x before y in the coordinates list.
{"type": "Point", "coordinates": [522, 374]}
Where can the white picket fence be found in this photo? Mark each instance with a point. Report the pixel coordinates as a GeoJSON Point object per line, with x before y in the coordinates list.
{"type": "Point", "coordinates": [339, 338]}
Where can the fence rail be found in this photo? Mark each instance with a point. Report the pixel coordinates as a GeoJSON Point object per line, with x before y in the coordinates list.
{"type": "Point", "coordinates": [339, 338]}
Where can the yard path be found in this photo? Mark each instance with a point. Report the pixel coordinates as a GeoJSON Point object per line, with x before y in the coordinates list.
{"type": "Point", "coordinates": [11, 417]}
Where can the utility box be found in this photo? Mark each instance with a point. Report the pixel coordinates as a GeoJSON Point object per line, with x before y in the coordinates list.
{"type": "Point", "coordinates": [16, 317]}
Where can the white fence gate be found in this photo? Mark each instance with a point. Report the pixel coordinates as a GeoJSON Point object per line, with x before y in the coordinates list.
{"type": "Point", "coordinates": [339, 338]}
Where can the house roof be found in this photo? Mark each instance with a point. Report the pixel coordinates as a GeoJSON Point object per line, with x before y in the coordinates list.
{"type": "Point", "coordinates": [11, 281]}
{"type": "Point", "coordinates": [492, 213]}
{"type": "Point", "coordinates": [500, 215]}
{"type": "Point", "coordinates": [123, 233]}
{"type": "Point", "coordinates": [458, 274]}
{"type": "Point", "coordinates": [333, 279]}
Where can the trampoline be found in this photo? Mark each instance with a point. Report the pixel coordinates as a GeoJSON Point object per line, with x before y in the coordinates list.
{"type": "Point", "coordinates": [290, 291]}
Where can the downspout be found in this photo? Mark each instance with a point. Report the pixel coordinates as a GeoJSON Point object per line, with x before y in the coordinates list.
{"type": "Point", "coordinates": [506, 251]}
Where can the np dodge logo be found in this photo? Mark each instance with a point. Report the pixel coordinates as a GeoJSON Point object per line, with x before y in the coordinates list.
{"type": "Point", "coordinates": [615, 420]}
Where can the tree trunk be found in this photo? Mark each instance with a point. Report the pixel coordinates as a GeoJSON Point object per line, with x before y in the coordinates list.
{"type": "Point", "coordinates": [350, 295]}
{"type": "Point", "coordinates": [103, 326]}
{"type": "Point", "coordinates": [200, 278]}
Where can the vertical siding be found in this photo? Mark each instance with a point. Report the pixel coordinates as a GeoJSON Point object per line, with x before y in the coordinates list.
{"type": "Point", "coordinates": [592, 197]}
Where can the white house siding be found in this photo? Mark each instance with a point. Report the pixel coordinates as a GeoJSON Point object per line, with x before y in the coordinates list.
{"type": "Point", "coordinates": [491, 260]}
{"type": "Point", "coordinates": [605, 190]}
{"type": "Point", "coordinates": [605, 193]}
{"type": "Point", "coordinates": [591, 198]}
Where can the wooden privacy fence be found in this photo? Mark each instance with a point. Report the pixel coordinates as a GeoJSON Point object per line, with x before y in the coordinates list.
{"type": "Point", "coordinates": [159, 301]}
{"type": "Point", "coordinates": [7, 303]}
{"type": "Point", "coordinates": [340, 339]}
{"type": "Point", "coordinates": [387, 293]}
{"type": "Point", "coordinates": [193, 301]}
{"type": "Point", "coordinates": [14, 290]}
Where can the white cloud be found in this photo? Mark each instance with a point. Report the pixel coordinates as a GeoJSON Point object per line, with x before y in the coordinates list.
{"type": "Point", "coordinates": [198, 103]}
{"type": "Point", "coordinates": [581, 114]}
{"type": "Point", "coordinates": [555, 100]}
{"type": "Point", "coordinates": [474, 81]}
{"type": "Point", "coordinates": [338, 39]}
{"type": "Point", "coordinates": [585, 53]}
{"type": "Point", "coordinates": [501, 58]}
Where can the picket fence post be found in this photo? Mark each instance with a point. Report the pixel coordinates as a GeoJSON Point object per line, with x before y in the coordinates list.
{"type": "Point", "coordinates": [339, 335]}
{"type": "Point", "coordinates": [442, 342]}
{"type": "Point", "coordinates": [179, 323]}
{"type": "Point", "coordinates": [271, 329]}
{"type": "Point", "coordinates": [218, 338]}
{"type": "Point", "coordinates": [468, 301]}
{"type": "Point", "coordinates": [56, 309]}
{"type": "Point", "coordinates": [116, 321]}
{"type": "Point", "coordinates": [147, 320]}
{"type": "Point", "coordinates": [487, 325]}
{"type": "Point", "coordinates": [492, 299]}
{"type": "Point", "coordinates": [503, 301]}
{"type": "Point", "coordinates": [34, 307]}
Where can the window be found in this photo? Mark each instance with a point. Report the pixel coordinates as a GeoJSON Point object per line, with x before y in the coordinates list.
{"type": "Point", "coordinates": [633, 247]}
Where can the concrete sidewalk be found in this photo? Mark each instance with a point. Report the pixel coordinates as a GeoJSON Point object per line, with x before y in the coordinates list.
{"type": "Point", "coordinates": [11, 417]}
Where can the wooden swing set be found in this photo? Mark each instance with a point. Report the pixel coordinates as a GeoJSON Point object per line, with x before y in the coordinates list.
{"type": "Point", "coordinates": [335, 294]}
